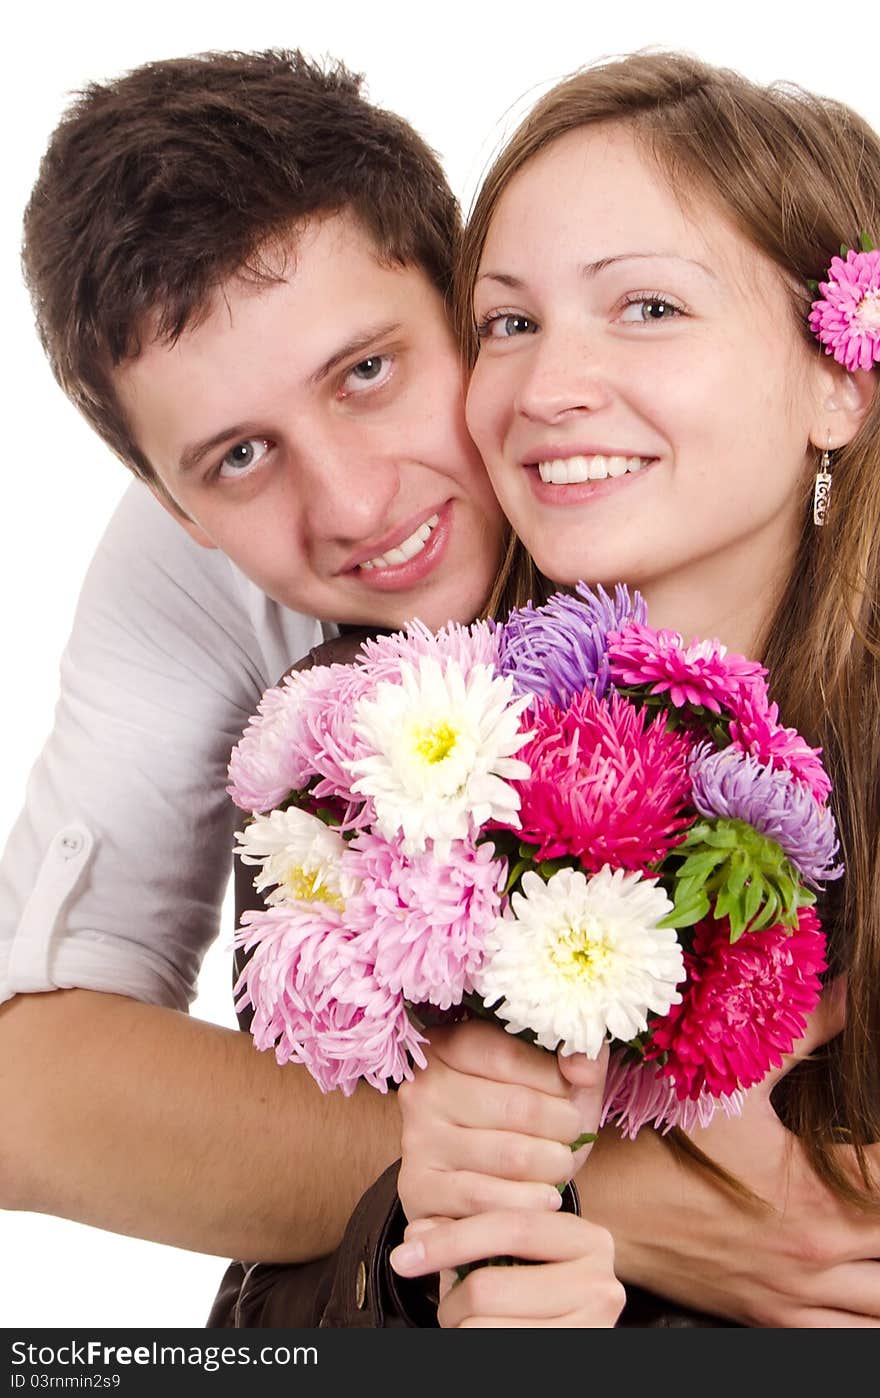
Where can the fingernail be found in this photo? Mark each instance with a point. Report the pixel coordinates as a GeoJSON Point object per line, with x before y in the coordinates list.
{"type": "Point", "coordinates": [554, 1199]}
{"type": "Point", "coordinates": [407, 1257]}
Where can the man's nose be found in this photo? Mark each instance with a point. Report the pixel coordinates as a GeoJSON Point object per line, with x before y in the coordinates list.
{"type": "Point", "coordinates": [348, 487]}
{"type": "Point", "coordinates": [563, 374]}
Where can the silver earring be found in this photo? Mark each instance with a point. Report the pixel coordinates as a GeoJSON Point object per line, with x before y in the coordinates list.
{"type": "Point", "coordinates": [822, 490]}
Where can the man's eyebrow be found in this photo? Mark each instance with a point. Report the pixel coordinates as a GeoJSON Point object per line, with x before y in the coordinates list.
{"type": "Point", "coordinates": [592, 269]}
{"type": "Point", "coordinates": [358, 344]}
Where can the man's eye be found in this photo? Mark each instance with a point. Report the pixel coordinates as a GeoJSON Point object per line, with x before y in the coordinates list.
{"type": "Point", "coordinates": [239, 460]}
{"type": "Point", "coordinates": [368, 373]}
{"type": "Point", "coordinates": [645, 309]}
{"type": "Point", "coordinates": [505, 327]}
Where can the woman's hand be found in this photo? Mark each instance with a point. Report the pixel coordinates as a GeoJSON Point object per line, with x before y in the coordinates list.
{"type": "Point", "coordinates": [806, 1260]}
{"type": "Point", "coordinates": [489, 1125]}
{"type": "Point", "coordinates": [572, 1286]}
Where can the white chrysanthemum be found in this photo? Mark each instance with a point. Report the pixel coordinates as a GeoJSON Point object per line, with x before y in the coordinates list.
{"type": "Point", "coordinates": [300, 854]}
{"type": "Point", "coordinates": [440, 747]}
{"type": "Point", "coordinates": [577, 960]}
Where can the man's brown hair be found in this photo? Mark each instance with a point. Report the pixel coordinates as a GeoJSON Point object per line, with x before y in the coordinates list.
{"type": "Point", "coordinates": [159, 186]}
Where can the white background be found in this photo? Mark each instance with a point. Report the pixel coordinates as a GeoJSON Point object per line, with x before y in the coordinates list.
{"type": "Point", "coordinates": [461, 73]}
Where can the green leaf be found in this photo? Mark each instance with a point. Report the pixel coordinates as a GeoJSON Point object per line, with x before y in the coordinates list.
{"type": "Point", "coordinates": [865, 243]}
{"type": "Point", "coordinates": [814, 286]}
{"type": "Point", "coordinates": [585, 1139]}
{"type": "Point", "coordinates": [516, 874]}
{"type": "Point", "coordinates": [843, 249]}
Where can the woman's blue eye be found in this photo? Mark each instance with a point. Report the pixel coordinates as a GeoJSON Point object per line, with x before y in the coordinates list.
{"type": "Point", "coordinates": [649, 308]}
{"type": "Point", "coordinates": [505, 327]}
{"type": "Point", "coordinates": [240, 458]}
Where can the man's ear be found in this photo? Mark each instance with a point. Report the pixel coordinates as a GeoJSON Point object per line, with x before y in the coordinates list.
{"type": "Point", "coordinates": [844, 400]}
{"type": "Point", "coordinates": [167, 501]}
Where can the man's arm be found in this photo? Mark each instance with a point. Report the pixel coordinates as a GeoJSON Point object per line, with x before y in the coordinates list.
{"type": "Point", "coordinates": [118, 1109]}
{"type": "Point", "coordinates": [140, 1120]}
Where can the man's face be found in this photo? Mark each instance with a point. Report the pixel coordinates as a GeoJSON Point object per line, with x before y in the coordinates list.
{"type": "Point", "coordinates": [312, 428]}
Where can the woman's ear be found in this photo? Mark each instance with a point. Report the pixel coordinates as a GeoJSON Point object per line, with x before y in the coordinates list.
{"type": "Point", "coordinates": [844, 400]}
{"type": "Point", "coordinates": [167, 501]}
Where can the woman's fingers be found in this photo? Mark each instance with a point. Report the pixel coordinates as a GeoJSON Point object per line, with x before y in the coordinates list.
{"type": "Point", "coordinates": [460, 1193]}
{"type": "Point", "coordinates": [573, 1283]}
{"type": "Point", "coordinates": [487, 1051]}
{"type": "Point", "coordinates": [530, 1236]}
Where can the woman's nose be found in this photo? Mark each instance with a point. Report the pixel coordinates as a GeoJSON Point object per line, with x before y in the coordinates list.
{"type": "Point", "coordinates": [563, 374]}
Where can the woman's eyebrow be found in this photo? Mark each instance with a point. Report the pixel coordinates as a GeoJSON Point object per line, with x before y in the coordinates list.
{"type": "Point", "coordinates": [592, 269]}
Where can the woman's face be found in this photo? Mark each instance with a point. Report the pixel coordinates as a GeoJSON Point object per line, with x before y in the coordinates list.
{"type": "Point", "coordinates": [643, 398]}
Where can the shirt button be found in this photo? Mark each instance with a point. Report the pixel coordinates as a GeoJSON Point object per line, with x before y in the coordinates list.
{"type": "Point", "coordinates": [71, 845]}
{"type": "Point", "coordinates": [360, 1286]}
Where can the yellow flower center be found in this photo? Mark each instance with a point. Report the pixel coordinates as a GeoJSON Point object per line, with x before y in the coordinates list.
{"type": "Point", "coordinates": [306, 886]}
{"type": "Point", "coordinates": [580, 952]}
{"type": "Point", "coordinates": [435, 744]}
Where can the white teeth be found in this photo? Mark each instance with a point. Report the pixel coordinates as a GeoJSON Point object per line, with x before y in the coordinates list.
{"type": "Point", "coordinates": [407, 549]}
{"type": "Point", "coordinates": [574, 469]}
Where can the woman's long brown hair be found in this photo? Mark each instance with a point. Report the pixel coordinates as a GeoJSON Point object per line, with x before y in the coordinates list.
{"type": "Point", "coordinates": [798, 175]}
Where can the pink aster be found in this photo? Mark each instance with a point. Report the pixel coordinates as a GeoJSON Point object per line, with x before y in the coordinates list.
{"type": "Point", "coordinates": [607, 785]}
{"type": "Point", "coordinates": [424, 921]}
{"type": "Point", "coordinates": [702, 674]}
{"type": "Point", "coordinates": [466, 645]}
{"type": "Point", "coordinates": [318, 1002]}
{"type": "Point", "coordinates": [327, 741]}
{"type": "Point", "coordinates": [846, 318]}
{"type": "Point", "coordinates": [269, 760]}
{"type": "Point", "coordinates": [756, 731]}
{"type": "Point", "coordinates": [637, 1095]}
{"type": "Point", "coordinates": [743, 1005]}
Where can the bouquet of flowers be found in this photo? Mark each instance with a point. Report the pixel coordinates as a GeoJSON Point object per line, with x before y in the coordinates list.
{"type": "Point", "coordinates": [569, 822]}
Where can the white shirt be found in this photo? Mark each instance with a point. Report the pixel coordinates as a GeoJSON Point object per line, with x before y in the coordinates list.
{"type": "Point", "coordinates": [113, 876]}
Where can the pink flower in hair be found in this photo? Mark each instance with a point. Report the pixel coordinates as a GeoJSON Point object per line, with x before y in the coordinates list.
{"type": "Point", "coordinates": [846, 318]}
{"type": "Point", "coordinates": [702, 675]}
{"type": "Point", "coordinates": [317, 1000]}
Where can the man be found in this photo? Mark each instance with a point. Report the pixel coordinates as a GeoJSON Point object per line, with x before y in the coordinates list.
{"type": "Point", "coordinates": [238, 268]}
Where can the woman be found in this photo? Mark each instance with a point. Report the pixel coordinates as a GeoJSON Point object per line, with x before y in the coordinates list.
{"type": "Point", "coordinates": [652, 407]}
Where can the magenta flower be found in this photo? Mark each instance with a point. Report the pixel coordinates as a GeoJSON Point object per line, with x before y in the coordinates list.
{"type": "Point", "coordinates": [702, 674]}
{"type": "Point", "coordinates": [846, 318]}
{"type": "Point", "coordinates": [422, 920]}
{"type": "Point", "coordinates": [561, 648]}
{"type": "Point", "coordinates": [607, 785]}
{"type": "Point", "coordinates": [636, 1095]}
{"type": "Point", "coordinates": [318, 1002]}
{"type": "Point", "coordinates": [756, 730]}
{"type": "Point", "coordinates": [743, 1005]}
{"type": "Point", "coordinates": [734, 786]}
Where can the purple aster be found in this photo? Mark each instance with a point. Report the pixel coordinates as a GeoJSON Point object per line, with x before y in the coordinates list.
{"type": "Point", "coordinates": [560, 649]}
{"type": "Point", "coordinates": [734, 786]}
